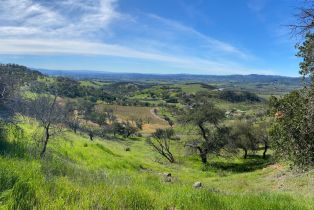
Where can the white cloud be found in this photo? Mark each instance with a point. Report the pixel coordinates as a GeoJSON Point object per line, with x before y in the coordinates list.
{"type": "Point", "coordinates": [79, 47]}
{"type": "Point", "coordinates": [27, 13]}
{"type": "Point", "coordinates": [66, 27]}
{"type": "Point", "coordinates": [62, 47]}
{"type": "Point", "coordinates": [66, 19]}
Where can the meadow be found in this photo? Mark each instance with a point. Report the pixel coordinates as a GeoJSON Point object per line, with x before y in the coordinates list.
{"type": "Point", "coordinates": [81, 174]}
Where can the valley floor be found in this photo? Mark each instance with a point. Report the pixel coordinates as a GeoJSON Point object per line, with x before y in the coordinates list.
{"type": "Point", "coordinates": [81, 174]}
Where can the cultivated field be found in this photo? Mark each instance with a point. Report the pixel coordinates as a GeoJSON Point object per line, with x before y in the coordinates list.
{"type": "Point", "coordinates": [131, 113]}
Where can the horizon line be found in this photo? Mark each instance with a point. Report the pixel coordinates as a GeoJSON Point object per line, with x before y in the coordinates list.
{"type": "Point", "coordinates": [158, 74]}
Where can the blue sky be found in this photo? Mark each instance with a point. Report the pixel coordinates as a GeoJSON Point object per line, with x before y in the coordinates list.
{"type": "Point", "coordinates": [151, 36]}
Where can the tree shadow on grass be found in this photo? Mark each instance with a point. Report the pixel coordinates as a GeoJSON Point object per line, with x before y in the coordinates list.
{"type": "Point", "coordinates": [106, 150]}
{"type": "Point", "coordinates": [252, 163]}
{"type": "Point", "coordinates": [120, 138]}
{"type": "Point", "coordinates": [12, 149]}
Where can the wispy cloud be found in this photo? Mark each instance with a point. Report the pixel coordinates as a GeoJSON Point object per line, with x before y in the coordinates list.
{"type": "Point", "coordinates": [209, 42]}
{"type": "Point", "coordinates": [81, 27]}
{"type": "Point", "coordinates": [62, 47]}
{"type": "Point", "coordinates": [63, 19]}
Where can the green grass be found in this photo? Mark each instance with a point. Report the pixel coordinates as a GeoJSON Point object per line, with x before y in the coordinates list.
{"type": "Point", "coordinates": [88, 83]}
{"type": "Point", "coordinates": [79, 174]}
{"type": "Point", "coordinates": [191, 88]}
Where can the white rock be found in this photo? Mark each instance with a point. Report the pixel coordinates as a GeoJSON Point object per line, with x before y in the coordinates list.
{"type": "Point", "coordinates": [197, 185]}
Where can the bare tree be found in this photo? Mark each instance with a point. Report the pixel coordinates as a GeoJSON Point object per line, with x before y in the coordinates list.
{"type": "Point", "coordinates": [73, 116]}
{"type": "Point", "coordinates": [3, 91]}
{"type": "Point", "coordinates": [160, 141]}
{"type": "Point", "coordinates": [305, 19]}
{"type": "Point", "coordinates": [91, 130]}
{"type": "Point", "coordinates": [50, 116]}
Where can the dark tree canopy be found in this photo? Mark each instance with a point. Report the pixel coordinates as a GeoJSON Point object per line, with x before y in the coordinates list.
{"type": "Point", "coordinates": [238, 96]}
{"type": "Point", "coordinates": [12, 77]}
{"type": "Point", "coordinates": [206, 118]}
{"type": "Point", "coordinates": [242, 136]}
{"type": "Point", "coordinates": [292, 133]}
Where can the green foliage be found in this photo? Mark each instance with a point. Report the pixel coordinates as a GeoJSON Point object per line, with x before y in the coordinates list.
{"type": "Point", "coordinates": [207, 119]}
{"type": "Point", "coordinates": [234, 96]}
{"type": "Point", "coordinates": [306, 53]}
{"type": "Point", "coordinates": [71, 88]}
{"type": "Point", "coordinates": [99, 174]}
{"type": "Point", "coordinates": [203, 112]}
{"type": "Point", "coordinates": [12, 77]}
{"type": "Point", "coordinates": [292, 133]}
{"type": "Point", "coordinates": [242, 136]}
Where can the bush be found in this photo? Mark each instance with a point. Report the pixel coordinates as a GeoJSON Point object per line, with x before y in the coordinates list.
{"type": "Point", "coordinates": [292, 131]}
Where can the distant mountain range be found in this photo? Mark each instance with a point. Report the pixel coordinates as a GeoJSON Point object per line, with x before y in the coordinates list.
{"type": "Point", "coordinates": [251, 78]}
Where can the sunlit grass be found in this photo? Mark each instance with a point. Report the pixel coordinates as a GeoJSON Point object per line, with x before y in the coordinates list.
{"type": "Point", "coordinates": [81, 174]}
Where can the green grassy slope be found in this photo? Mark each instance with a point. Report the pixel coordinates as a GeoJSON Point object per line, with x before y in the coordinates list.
{"type": "Point", "coordinates": [79, 174]}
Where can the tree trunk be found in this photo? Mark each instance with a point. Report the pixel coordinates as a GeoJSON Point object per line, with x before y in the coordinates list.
{"type": "Point", "coordinates": [170, 158]}
{"type": "Point", "coordinates": [203, 156]}
{"type": "Point", "coordinates": [47, 136]}
{"type": "Point", "coordinates": [265, 151]}
{"type": "Point", "coordinates": [91, 136]}
{"type": "Point", "coordinates": [245, 153]}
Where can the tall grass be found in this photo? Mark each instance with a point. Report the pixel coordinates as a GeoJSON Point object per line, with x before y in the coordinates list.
{"type": "Point", "coordinates": [80, 174]}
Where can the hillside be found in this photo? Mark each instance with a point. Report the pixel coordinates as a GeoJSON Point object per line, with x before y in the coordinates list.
{"type": "Point", "coordinates": [80, 174]}
{"type": "Point", "coordinates": [261, 84]}
{"type": "Point", "coordinates": [252, 78]}
{"type": "Point", "coordinates": [156, 105]}
{"type": "Point", "coordinates": [91, 144]}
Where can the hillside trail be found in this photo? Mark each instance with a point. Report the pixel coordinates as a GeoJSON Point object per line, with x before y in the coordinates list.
{"type": "Point", "coordinates": [156, 116]}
